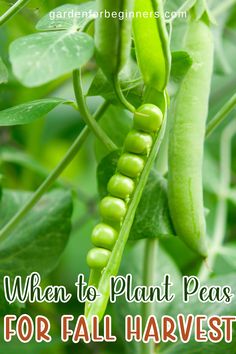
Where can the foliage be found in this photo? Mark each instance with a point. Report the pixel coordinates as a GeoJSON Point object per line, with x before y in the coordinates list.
{"type": "Point", "coordinates": [40, 121]}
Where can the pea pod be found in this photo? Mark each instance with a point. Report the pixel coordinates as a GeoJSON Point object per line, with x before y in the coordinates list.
{"type": "Point", "coordinates": [152, 44]}
{"type": "Point", "coordinates": [140, 150]}
{"type": "Point", "coordinates": [187, 141]}
{"type": "Point", "coordinates": [113, 35]}
{"type": "Point", "coordinates": [118, 208]}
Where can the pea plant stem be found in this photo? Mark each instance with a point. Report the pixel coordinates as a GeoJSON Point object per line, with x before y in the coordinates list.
{"type": "Point", "coordinates": [150, 260]}
{"type": "Point", "coordinates": [13, 10]}
{"type": "Point", "coordinates": [121, 96]}
{"type": "Point", "coordinates": [221, 115]}
{"type": "Point", "coordinates": [223, 7]}
{"type": "Point", "coordinates": [52, 177]}
{"type": "Point", "coordinates": [88, 118]}
{"type": "Point", "coordinates": [187, 5]}
{"type": "Point", "coordinates": [221, 210]}
{"type": "Point", "coordinates": [149, 269]}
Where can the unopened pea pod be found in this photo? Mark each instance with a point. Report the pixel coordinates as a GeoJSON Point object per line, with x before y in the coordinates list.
{"type": "Point", "coordinates": [152, 43]}
{"type": "Point", "coordinates": [186, 141]}
{"type": "Point", "coordinates": [113, 35]}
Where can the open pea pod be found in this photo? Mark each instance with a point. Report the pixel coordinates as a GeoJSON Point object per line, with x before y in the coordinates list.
{"type": "Point", "coordinates": [118, 209]}
{"type": "Point", "coordinates": [140, 149]}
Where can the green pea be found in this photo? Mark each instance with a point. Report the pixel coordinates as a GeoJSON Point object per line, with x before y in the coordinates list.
{"type": "Point", "coordinates": [120, 186]}
{"type": "Point", "coordinates": [113, 209]}
{"type": "Point", "coordinates": [148, 118]}
{"type": "Point", "coordinates": [138, 143]}
{"type": "Point", "coordinates": [130, 165]}
{"type": "Point", "coordinates": [97, 258]}
{"type": "Point", "coordinates": [104, 236]}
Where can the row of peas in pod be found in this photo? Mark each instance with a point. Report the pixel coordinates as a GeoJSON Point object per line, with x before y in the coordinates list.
{"type": "Point", "coordinates": [138, 143]}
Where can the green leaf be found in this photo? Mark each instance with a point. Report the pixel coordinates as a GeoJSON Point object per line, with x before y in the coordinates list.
{"type": "Point", "coordinates": [181, 62]}
{"type": "Point", "coordinates": [105, 170]}
{"type": "Point", "coordinates": [31, 347]}
{"type": "Point", "coordinates": [67, 16]}
{"type": "Point", "coordinates": [3, 72]}
{"type": "Point", "coordinates": [152, 217]}
{"type": "Point", "coordinates": [230, 15]}
{"type": "Point", "coordinates": [227, 252]}
{"type": "Point", "coordinates": [15, 156]}
{"type": "Point", "coordinates": [101, 87]}
{"type": "Point", "coordinates": [42, 57]}
{"type": "Point", "coordinates": [232, 195]}
{"type": "Point", "coordinates": [28, 112]}
{"type": "Point", "coordinates": [37, 243]}
{"type": "Point", "coordinates": [1, 179]}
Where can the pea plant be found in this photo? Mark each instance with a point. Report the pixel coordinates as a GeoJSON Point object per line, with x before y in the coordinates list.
{"type": "Point", "coordinates": [116, 144]}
